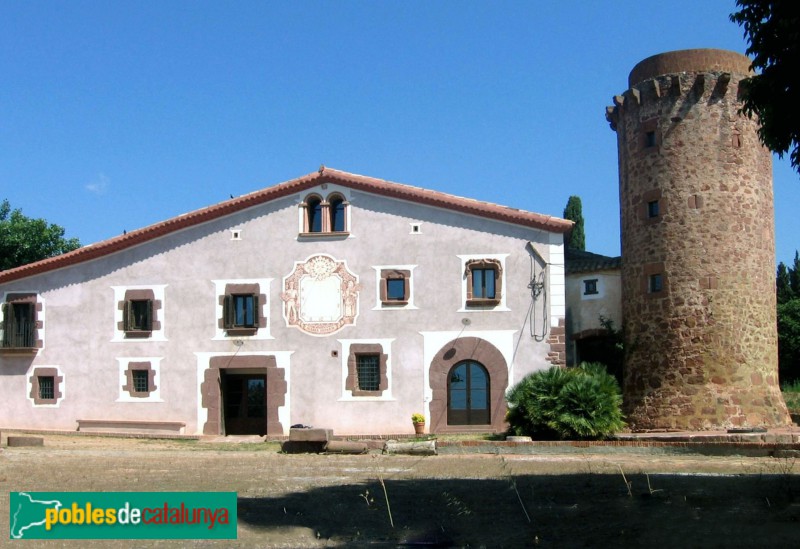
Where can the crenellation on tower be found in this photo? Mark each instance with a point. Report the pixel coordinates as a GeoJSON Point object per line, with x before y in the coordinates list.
{"type": "Point", "coordinates": [697, 223]}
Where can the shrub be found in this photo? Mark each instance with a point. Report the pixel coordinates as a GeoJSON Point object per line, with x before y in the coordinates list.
{"type": "Point", "coordinates": [566, 403]}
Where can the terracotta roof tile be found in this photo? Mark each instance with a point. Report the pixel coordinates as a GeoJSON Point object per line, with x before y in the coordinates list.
{"type": "Point", "coordinates": [346, 179]}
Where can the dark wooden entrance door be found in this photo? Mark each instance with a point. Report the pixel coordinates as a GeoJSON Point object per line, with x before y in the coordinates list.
{"type": "Point", "coordinates": [468, 394]}
{"type": "Point", "coordinates": [244, 398]}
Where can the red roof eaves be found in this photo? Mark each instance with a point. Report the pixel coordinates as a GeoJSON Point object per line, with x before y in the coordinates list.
{"type": "Point", "coordinates": [354, 181]}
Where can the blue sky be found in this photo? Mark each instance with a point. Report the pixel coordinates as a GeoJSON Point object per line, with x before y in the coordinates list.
{"type": "Point", "coordinates": [115, 115]}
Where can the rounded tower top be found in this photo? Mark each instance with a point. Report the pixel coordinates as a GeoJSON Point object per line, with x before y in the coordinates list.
{"type": "Point", "coordinates": [699, 60]}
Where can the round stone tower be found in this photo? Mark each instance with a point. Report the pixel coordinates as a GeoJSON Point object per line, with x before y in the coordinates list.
{"type": "Point", "coordinates": [698, 248]}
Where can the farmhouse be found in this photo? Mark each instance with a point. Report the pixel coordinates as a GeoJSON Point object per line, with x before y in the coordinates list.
{"type": "Point", "coordinates": [334, 300]}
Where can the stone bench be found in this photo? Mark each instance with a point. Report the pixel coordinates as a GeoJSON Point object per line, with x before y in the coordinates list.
{"type": "Point", "coordinates": [16, 441]}
{"type": "Point", "coordinates": [143, 427]}
{"type": "Point", "coordinates": [307, 439]}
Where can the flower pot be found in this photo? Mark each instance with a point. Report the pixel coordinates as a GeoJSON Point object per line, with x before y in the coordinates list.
{"type": "Point", "coordinates": [419, 428]}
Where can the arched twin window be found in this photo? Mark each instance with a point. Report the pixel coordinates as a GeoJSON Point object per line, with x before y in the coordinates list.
{"type": "Point", "coordinates": [325, 215]}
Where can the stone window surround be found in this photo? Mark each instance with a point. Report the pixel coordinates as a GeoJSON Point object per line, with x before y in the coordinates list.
{"type": "Point", "coordinates": [149, 291]}
{"type": "Point", "coordinates": [38, 311]}
{"type": "Point", "coordinates": [58, 385]}
{"type": "Point", "coordinates": [591, 284]}
{"type": "Point", "coordinates": [649, 128]}
{"type": "Point", "coordinates": [325, 212]}
{"type": "Point", "coordinates": [129, 386]}
{"type": "Point", "coordinates": [351, 382]}
{"type": "Point", "coordinates": [252, 288]}
{"type": "Point", "coordinates": [124, 305]}
{"type": "Point", "coordinates": [394, 274]}
{"type": "Point", "coordinates": [653, 195]}
{"type": "Point", "coordinates": [484, 263]}
{"type": "Point", "coordinates": [649, 270]}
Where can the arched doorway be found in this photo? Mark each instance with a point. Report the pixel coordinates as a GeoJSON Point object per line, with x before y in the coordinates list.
{"type": "Point", "coordinates": [487, 370]}
{"type": "Point", "coordinates": [468, 390]}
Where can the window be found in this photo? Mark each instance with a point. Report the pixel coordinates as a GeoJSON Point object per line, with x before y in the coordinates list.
{"type": "Point", "coordinates": [590, 287]}
{"type": "Point", "coordinates": [368, 372]}
{"type": "Point", "coordinates": [141, 381]}
{"type": "Point", "coordinates": [19, 325]}
{"type": "Point", "coordinates": [337, 210]}
{"type": "Point", "coordinates": [468, 394]}
{"type": "Point", "coordinates": [656, 283]}
{"type": "Point", "coordinates": [652, 208]}
{"type": "Point", "coordinates": [242, 309]}
{"type": "Point", "coordinates": [46, 387]}
{"type": "Point", "coordinates": [395, 287]}
{"type": "Point", "coordinates": [139, 313]}
{"type": "Point", "coordinates": [138, 378]}
{"type": "Point", "coordinates": [314, 213]}
{"type": "Point", "coordinates": [483, 282]}
{"type": "Point", "coordinates": [649, 138]}
{"type": "Point", "coordinates": [325, 216]}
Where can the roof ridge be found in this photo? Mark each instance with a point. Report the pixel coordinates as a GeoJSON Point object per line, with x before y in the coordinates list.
{"type": "Point", "coordinates": [374, 185]}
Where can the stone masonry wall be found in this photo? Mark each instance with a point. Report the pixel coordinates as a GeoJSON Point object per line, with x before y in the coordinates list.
{"type": "Point", "coordinates": [698, 270]}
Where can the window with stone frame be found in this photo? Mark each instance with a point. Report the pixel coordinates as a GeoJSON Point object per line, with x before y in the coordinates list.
{"type": "Point", "coordinates": [325, 216]}
{"type": "Point", "coordinates": [139, 314]}
{"type": "Point", "coordinates": [46, 386]}
{"type": "Point", "coordinates": [484, 282]}
{"type": "Point", "coordinates": [242, 312]}
{"type": "Point", "coordinates": [590, 286]}
{"type": "Point", "coordinates": [20, 323]}
{"type": "Point", "coordinates": [395, 287]}
{"type": "Point", "coordinates": [367, 370]}
{"type": "Point", "coordinates": [139, 379]}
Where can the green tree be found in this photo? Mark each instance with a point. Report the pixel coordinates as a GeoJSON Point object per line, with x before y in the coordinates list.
{"type": "Point", "coordinates": [794, 276]}
{"type": "Point", "coordinates": [772, 29]}
{"type": "Point", "coordinates": [789, 341]}
{"type": "Point", "coordinates": [783, 284]}
{"type": "Point", "coordinates": [24, 240]}
{"type": "Point", "coordinates": [576, 238]}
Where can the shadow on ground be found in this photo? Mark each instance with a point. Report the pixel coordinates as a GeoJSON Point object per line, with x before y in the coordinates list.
{"type": "Point", "coordinates": [584, 510]}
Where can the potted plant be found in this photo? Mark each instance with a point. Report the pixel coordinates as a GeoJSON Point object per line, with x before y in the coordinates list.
{"type": "Point", "coordinates": [419, 423]}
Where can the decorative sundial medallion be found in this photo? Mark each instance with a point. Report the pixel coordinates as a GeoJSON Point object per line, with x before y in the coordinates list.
{"type": "Point", "coordinates": [320, 295]}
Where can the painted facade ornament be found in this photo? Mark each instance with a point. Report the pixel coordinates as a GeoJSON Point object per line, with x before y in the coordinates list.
{"type": "Point", "coordinates": [320, 296]}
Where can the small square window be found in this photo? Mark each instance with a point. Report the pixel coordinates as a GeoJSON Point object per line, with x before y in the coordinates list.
{"type": "Point", "coordinates": [396, 289]}
{"type": "Point", "coordinates": [656, 283]}
{"type": "Point", "coordinates": [47, 387]}
{"type": "Point", "coordinates": [141, 381]}
{"type": "Point", "coordinates": [368, 372]}
{"type": "Point", "coordinates": [590, 287]}
{"type": "Point", "coordinates": [653, 209]}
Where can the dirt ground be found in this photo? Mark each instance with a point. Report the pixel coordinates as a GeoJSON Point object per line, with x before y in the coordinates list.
{"type": "Point", "coordinates": [571, 500]}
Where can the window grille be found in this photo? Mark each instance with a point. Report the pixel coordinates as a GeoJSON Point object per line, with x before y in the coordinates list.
{"type": "Point", "coordinates": [368, 372]}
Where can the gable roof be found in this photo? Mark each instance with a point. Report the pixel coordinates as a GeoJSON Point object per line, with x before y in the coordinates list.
{"type": "Point", "coordinates": [579, 261]}
{"type": "Point", "coordinates": [323, 175]}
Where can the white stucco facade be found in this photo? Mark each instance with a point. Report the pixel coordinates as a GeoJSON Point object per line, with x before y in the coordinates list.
{"type": "Point", "coordinates": [162, 332]}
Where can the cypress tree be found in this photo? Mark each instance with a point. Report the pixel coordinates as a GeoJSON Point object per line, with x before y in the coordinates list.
{"type": "Point", "coordinates": [576, 238]}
